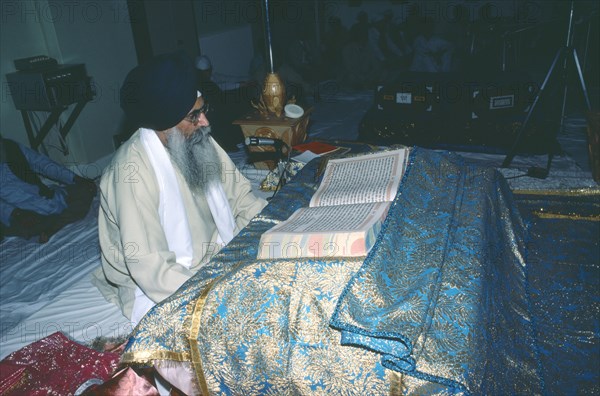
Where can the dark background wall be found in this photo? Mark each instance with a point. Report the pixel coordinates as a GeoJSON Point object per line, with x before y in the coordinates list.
{"type": "Point", "coordinates": [110, 37]}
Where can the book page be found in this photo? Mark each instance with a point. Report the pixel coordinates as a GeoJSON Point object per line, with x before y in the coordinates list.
{"type": "Point", "coordinates": [332, 218]}
{"type": "Point", "coordinates": [326, 231]}
{"type": "Point", "coordinates": [367, 178]}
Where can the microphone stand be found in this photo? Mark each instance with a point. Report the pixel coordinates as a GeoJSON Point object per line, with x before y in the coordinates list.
{"type": "Point", "coordinates": [283, 171]}
{"type": "Point", "coordinates": [281, 166]}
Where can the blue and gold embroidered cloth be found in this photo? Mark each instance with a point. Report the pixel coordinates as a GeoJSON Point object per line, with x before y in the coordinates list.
{"type": "Point", "coordinates": [439, 306]}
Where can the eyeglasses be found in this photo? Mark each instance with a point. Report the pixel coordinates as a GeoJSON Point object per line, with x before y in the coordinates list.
{"type": "Point", "coordinates": [194, 116]}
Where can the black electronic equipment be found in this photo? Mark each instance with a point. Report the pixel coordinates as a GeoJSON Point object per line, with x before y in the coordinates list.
{"type": "Point", "coordinates": [482, 95]}
{"type": "Point", "coordinates": [490, 135]}
{"type": "Point", "coordinates": [418, 96]}
{"type": "Point", "coordinates": [422, 96]}
{"type": "Point", "coordinates": [501, 95]}
{"type": "Point", "coordinates": [476, 111]}
{"type": "Point", "coordinates": [48, 89]}
{"type": "Point", "coordinates": [38, 62]}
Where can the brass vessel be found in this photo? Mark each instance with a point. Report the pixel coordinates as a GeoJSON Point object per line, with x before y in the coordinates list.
{"type": "Point", "coordinates": [273, 94]}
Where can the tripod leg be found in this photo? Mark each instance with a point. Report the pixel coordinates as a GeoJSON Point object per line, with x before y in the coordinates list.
{"type": "Point", "coordinates": [563, 109]}
{"type": "Point", "coordinates": [581, 80]}
{"type": "Point", "coordinates": [512, 152]}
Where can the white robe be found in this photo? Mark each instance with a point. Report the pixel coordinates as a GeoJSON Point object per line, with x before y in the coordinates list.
{"type": "Point", "coordinates": [135, 250]}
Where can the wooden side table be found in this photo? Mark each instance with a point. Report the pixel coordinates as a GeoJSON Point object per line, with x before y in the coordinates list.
{"type": "Point", "coordinates": [290, 130]}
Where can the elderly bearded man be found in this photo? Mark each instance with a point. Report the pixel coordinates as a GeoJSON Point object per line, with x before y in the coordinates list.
{"type": "Point", "coordinates": [171, 194]}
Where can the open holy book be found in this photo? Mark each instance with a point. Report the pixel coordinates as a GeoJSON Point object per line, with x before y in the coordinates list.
{"type": "Point", "coordinates": [346, 212]}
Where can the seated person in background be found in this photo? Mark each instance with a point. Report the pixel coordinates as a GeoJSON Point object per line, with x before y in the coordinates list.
{"type": "Point", "coordinates": [301, 69]}
{"type": "Point", "coordinates": [388, 41]}
{"type": "Point", "coordinates": [432, 52]}
{"type": "Point", "coordinates": [361, 68]}
{"type": "Point", "coordinates": [442, 45]}
{"type": "Point", "coordinates": [225, 106]}
{"type": "Point", "coordinates": [28, 207]}
{"type": "Point", "coordinates": [171, 197]}
{"type": "Point", "coordinates": [335, 38]}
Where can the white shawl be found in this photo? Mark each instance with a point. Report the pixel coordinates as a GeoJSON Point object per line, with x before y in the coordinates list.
{"type": "Point", "coordinates": [172, 213]}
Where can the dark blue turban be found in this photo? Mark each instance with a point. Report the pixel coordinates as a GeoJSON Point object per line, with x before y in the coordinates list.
{"type": "Point", "coordinates": [158, 94]}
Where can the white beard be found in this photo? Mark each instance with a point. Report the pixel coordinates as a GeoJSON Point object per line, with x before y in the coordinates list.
{"type": "Point", "coordinates": [196, 157]}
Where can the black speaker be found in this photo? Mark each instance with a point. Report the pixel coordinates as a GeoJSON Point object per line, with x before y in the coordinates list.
{"type": "Point", "coordinates": [48, 89]}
